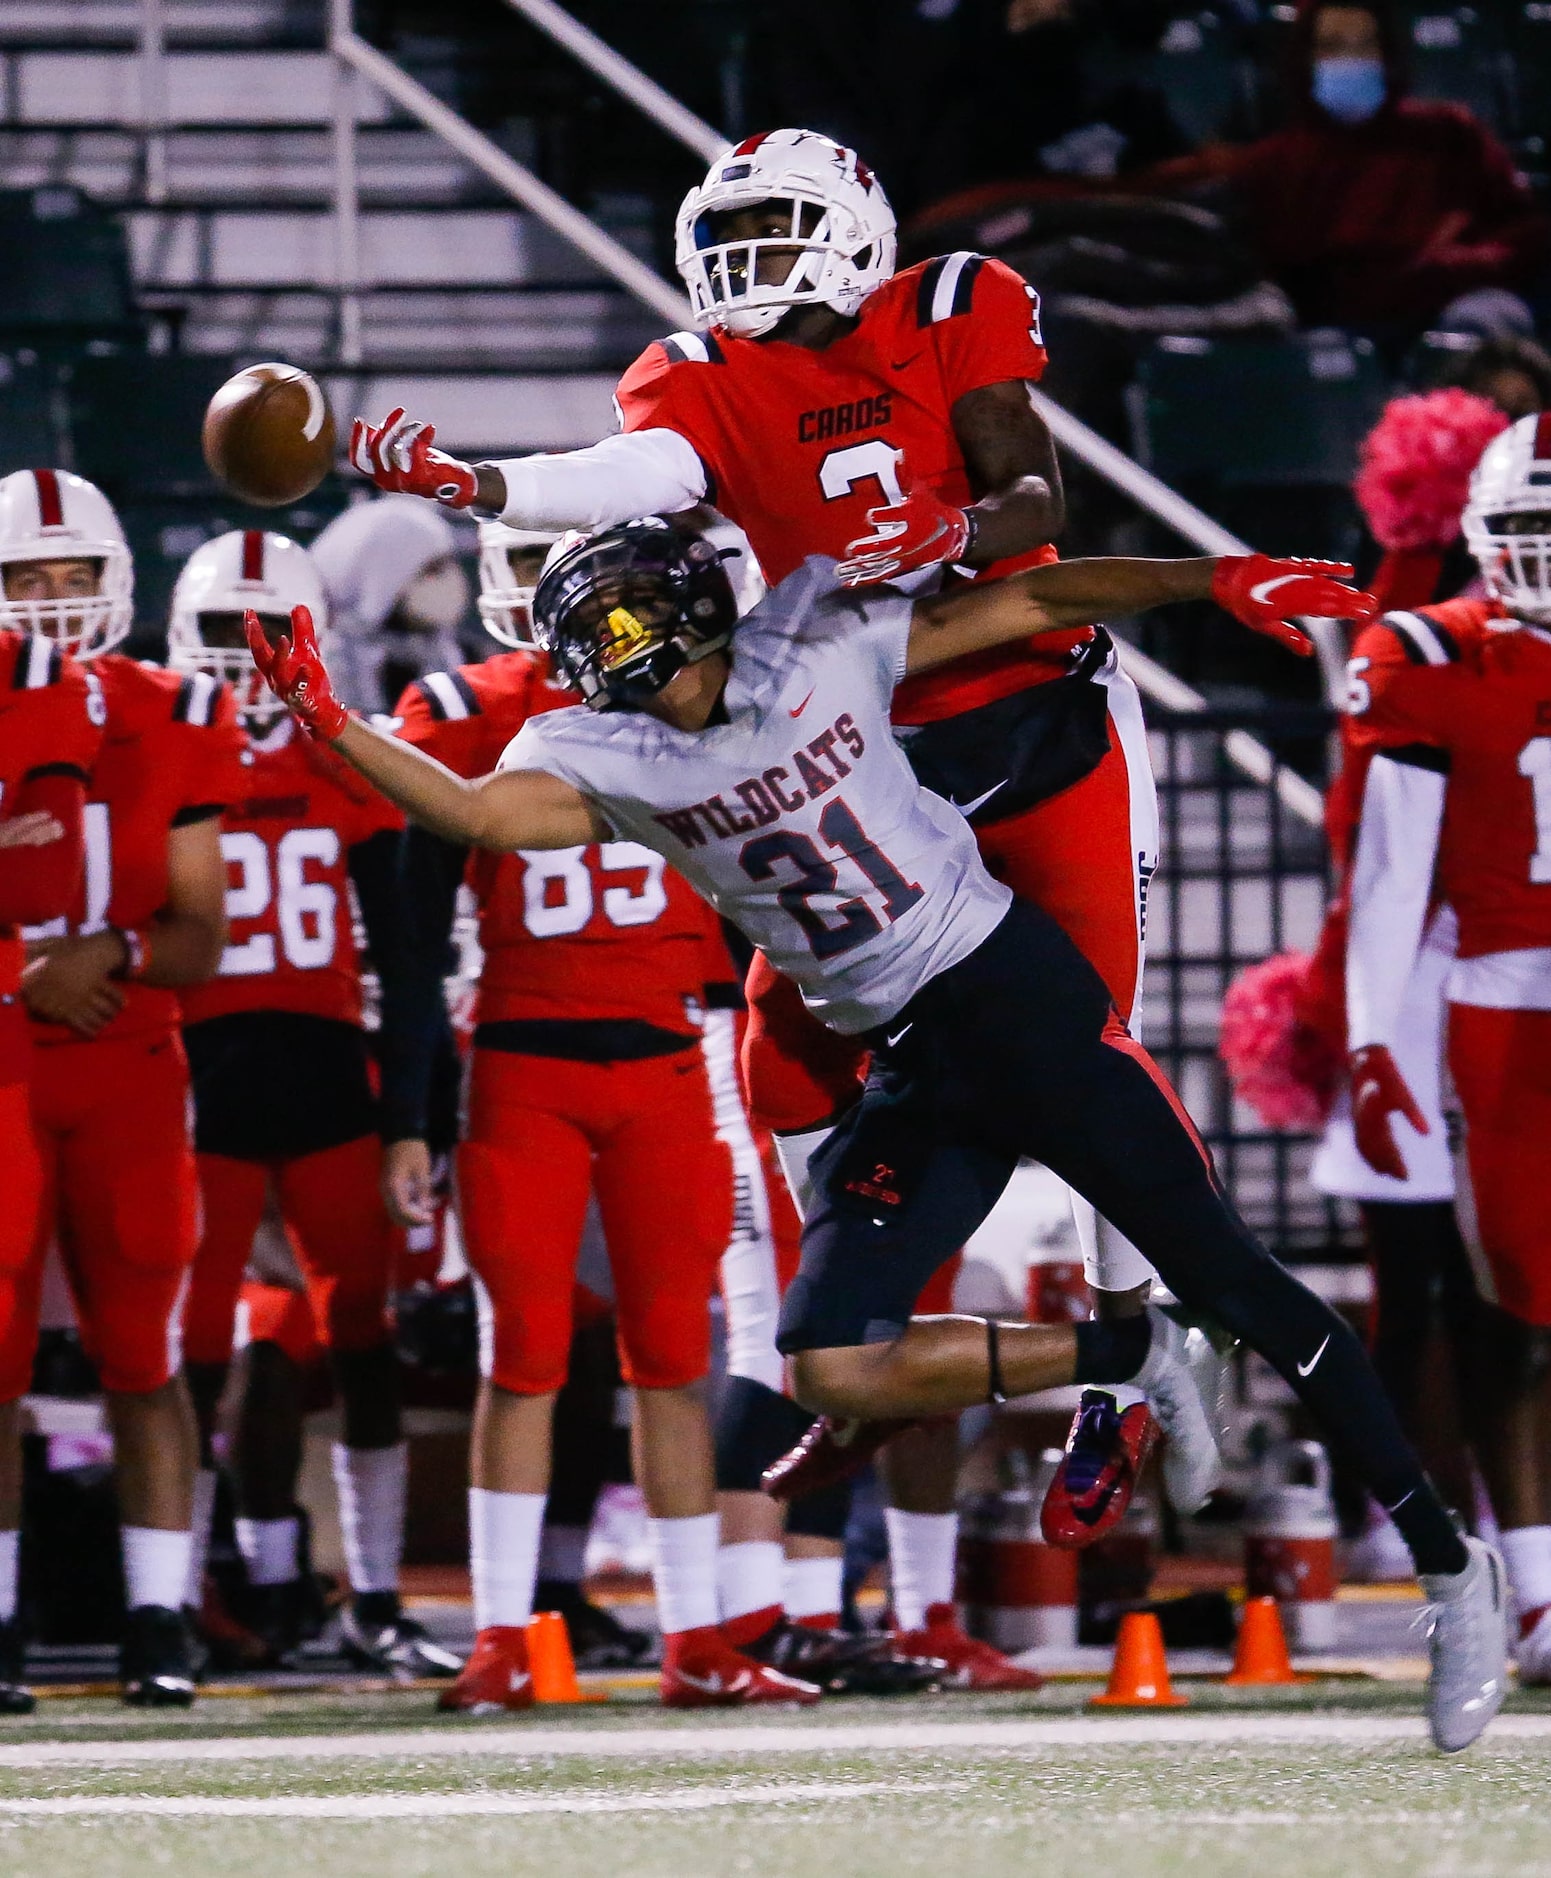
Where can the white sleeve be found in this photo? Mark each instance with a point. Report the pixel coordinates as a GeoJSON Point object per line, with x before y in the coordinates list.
{"type": "Point", "coordinates": [1391, 884]}
{"type": "Point", "coordinates": [643, 472]}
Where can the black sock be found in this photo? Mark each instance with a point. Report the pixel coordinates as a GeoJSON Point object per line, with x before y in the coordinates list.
{"type": "Point", "coordinates": [1112, 1349]}
{"type": "Point", "coordinates": [1424, 1523]}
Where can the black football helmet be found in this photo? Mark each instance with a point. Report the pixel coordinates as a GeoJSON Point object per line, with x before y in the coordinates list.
{"type": "Point", "coordinates": [622, 611]}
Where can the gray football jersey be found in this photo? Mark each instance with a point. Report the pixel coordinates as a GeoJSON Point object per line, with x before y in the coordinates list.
{"type": "Point", "coordinates": [798, 818]}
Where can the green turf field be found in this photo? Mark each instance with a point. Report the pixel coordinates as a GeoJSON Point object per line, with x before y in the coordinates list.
{"type": "Point", "coordinates": [1294, 1783]}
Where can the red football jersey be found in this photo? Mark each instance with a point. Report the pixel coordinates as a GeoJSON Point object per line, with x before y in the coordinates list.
{"type": "Point", "coordinates": [1475, 702]}
{"type": "Point", "coordinates": [46, 725]}
{"type": "Point", "coordinates": [799, 445]}
{"type": "Point", "coordinates": [287, 838]}
{"type": "Point", "coordinates": [168, 758]}
{"type": "Point", "coordinates": [606, 931]}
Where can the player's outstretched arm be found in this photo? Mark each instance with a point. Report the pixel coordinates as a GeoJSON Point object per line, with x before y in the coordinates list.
{"type": "Point", "coordinates": [504, 811]}
{"type": "Point", "coordinates": [1263, 593]}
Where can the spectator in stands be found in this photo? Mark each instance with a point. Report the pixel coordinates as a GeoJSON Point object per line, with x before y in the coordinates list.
{"type": "Point", "coordinates": [1370, 208]}
{"type": "Point", "coordinates": [1512, 373]}
{"type": "Point", "coordinates": [397, 596]}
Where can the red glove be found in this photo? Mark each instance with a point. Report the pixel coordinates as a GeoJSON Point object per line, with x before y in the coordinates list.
{"type": "Point", "coordinates": [921, 531]}
{"type": "Point", "coordinates": [294, 671]}
{"type": "Point", "coordinates": [1379, 1091]}
{"type": "Point", "coordinates": [397, 455]}
{"type": "Point", "coordinates": [1267, 594]}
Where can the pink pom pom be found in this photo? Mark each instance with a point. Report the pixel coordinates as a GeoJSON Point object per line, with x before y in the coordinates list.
{"type": "Point", "coordinates": [1284, 1070]}
{"type": "Point", "coordinates": [1416, 463]}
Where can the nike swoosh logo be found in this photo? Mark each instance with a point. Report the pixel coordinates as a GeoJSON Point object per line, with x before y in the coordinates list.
{"type": "Point", "coordinates": [968, 808]}
{"type": "Point", "coordinates": [1261, 594]}
{"type": "Point", "coordinates": [517, 1682]}
{"type": "Point", "coordinates": [900, 1036]}
{"type": "Point", "coordinates": [803, 706]}
{"type": "Point", "coordinates": [713, 1684]}
{"type": "Point", "coordinates": [1307, 1369]}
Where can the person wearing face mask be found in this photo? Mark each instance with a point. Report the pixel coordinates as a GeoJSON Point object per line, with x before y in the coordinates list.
{"type": "Point", "coordinates": [1372, 209]}
{"type": "Point", "coordinates": [397, 595]}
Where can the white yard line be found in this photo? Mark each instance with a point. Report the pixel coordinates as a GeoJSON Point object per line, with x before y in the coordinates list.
{"type": "Point", "coordinates": [447, 1805]}
{"type": "Point", "coordinates": [520, 1741]}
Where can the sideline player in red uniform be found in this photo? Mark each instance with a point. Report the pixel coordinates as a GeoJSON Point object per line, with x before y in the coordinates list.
{"type": "Point", "coordinates": [1455, 703]}
{"type": "Point", "coordinates": [109, 1079]}
{"type": "Point", "coordinates": [284, 1099]}
{"type": "Point", "coordinates": [825, 386]}
{"type": "Point", "coordinates": [586, 1076]}
{"type": "Point", "coordinates": [50, 731]}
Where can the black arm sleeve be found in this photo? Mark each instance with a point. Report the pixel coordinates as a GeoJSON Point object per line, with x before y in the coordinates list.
{"type": "Point", "coordinates": [407, 886]}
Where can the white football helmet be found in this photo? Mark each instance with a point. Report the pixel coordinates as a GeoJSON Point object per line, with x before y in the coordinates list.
{"type": "Point", "coordinates": [50, 515]}
{"type": "Point", "coordinates": [1513, 479]}
{"type": "Point", "coordinates": [219, 583]}
{"type": "Point", "coordinates": [841, 250]}
{"type": "Point", "coordinates": [505, 604]}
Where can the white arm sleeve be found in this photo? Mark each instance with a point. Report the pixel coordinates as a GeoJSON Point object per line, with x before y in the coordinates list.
{"type": "Point", "coordinates": [1392, 876]}
{"type": "Point", "coordinates": [643, 472]}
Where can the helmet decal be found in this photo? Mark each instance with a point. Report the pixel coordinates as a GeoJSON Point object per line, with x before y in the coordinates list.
{"type": "Point", "coordinates": [51, 512]}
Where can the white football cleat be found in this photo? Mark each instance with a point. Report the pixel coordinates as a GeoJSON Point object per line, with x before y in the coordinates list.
{"type": "Point", "coordinates": [1468, 1626]}
{"type": "Point", "coordinates": [1533, 1654]}
{"type": "Point", "coordinates": [1183, 1381]}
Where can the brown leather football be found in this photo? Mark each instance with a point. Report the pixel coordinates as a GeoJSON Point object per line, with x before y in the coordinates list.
{"type": "Point", "coordinates": [269, 435]}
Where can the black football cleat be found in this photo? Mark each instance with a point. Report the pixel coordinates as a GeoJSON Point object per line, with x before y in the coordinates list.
{"type": "Point", "coordinates": [15, 1697]}
{"type": "Point", "coordinates": [1106, 1451]}
{"type": "Point", "coordinates": [842, 1664]}
{"type": "Point", "coordinates": [156, 1658]}
{"type": "Point", "coordinates": [375, 1635]}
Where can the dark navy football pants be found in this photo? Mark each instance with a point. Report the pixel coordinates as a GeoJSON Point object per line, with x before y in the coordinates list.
{"type": "Point", "coordinates": [1017, 1051]}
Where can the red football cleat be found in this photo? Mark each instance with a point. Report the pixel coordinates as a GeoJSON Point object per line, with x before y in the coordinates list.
{"type": "Point", "coordinates": [1105, 1453]}
{"type": "Point", "coordinates": [701, 1669]}
{"type": "Point", "coordinates": [971, 1663]}
{"type": "Point", "coordinates": [834, 1448]}
{"type": "Point", "coordinates": [496, 1676]}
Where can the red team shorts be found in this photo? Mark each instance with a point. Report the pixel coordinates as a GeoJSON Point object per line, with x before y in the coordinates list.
{"type": "Point", "coordinates": [121, 1194]}
{"type": "Point", "coordinates": [21, 1184]}
{"type": "Point", "coordinates": [1501, 1062]}
{"type": "Point", "coordinates": [276, 1314]}
{"type": "Point", "coordinates": [342, 1237]}
{"type": "Point", "coordinates": [542, 1131]}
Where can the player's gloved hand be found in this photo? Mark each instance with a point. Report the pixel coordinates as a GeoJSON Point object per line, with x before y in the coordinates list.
{"type": "Point", "coordinates": [1378, 1092]}
{"type": "Point", "coordinates": [397, 455]}
{"type": "Point", "coordinates": [1268, 594]}
{"type": "Point", "coordinates": [921, 531]}
{"type": "Point", "coordinates": [294, 671]}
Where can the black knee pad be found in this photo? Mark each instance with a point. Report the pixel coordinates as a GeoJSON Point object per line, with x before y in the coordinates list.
{"type": "Point", "coordinates": [755, 1425]}
{"type": "Point", "coordinates": [821, 1515]}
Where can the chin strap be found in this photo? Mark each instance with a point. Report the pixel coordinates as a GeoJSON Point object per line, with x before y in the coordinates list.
{"type": "Point", "coordinates": [996, 1392]}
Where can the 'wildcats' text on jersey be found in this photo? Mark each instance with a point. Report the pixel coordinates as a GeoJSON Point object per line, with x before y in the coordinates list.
{"type": "Point", "coordinates": [798, 445]}
{"type": "Point", "coordinates": [851, 878]}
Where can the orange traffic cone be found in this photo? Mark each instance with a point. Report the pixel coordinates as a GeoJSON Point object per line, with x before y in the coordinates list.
{"type": "Point", "coordinates": [550, 1659]}
{"type": "Point", "coordinates": [1139, 1677]}
{"type": "Point", "coordinates": [1262, 1653]}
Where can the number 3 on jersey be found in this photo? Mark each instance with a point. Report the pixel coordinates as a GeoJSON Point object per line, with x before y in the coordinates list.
{"type": "Point", "coordinates": [842, 470]}
{"type": "Point", "coordinates": [305, 911]}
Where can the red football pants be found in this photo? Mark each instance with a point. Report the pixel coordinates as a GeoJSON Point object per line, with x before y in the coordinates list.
{"type": "Point", "coordinates": [542, 1132]}
{"type": "Point", "coordinates": [21, 1195]}
{"type": "Point", "coordinates": [121, 1195]}
{"type": "Point", "coordinates": [1083, 856]}
{"type": "Point", "coordinates": [282, 1317]}
{"type": "Point", "coordinates": [337, 1225]}
{"type": "Point", "coordinates": [1501, 1062]}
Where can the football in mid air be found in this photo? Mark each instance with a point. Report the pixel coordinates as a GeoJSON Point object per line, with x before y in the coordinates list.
{"type": "Point", "coordinates": [269, 435]}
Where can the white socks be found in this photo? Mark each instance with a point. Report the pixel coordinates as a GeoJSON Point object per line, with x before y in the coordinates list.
{"type": "Point", "coordinates": [371, 1484]}
{"type": "Point", "coordinates": [271, 1549]}
{"type": "Point", "coordinates": [748, 1577]}
{"type": "Point", "coordinates": [204, 1512]}
{"type": "Point", "coordinates": [684, 1571]}
{"type": "Point", "coordinates": [504, 1555]}
{"type": "Point", "coordinates": [812, 1587]}
{"type": "Point", "coordinates": [155, 1566]}
{"type": "Point", "coordinates": [1527, 1554]}
{"type": "Point", "coordinates": [795, 1152]}
{"type": "Point", "coordinates": [10, 1558]}
{"type": "Point", "coordinates": [922, 1554]}
{"type": "Point", "coordinates": [563, 1553]}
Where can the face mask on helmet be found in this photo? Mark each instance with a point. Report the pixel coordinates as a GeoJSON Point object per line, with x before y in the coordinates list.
{"type": "Point", "coordinates": [65, 571]}
{"type": "Point", "coordinates": [786, 219]}
{"type": "Point", "coordinates": [621, 613]}
{"type": "Point", "coordinates": [510, 563]}
{"type": "Point", "coordinates": [1507, 519]}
